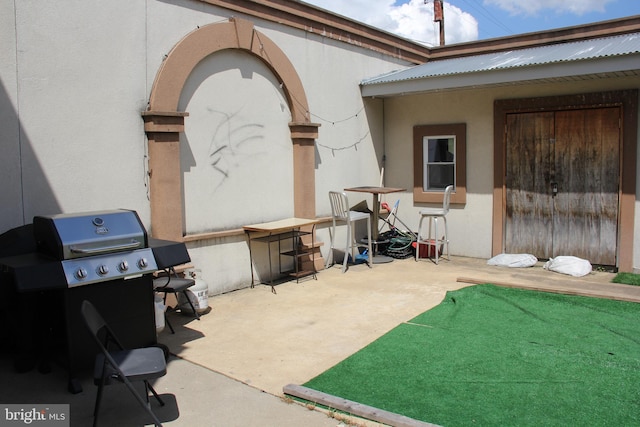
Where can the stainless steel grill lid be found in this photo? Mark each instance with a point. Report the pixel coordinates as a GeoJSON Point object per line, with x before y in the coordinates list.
{"type": "Point", "coordinates": [68, 236]}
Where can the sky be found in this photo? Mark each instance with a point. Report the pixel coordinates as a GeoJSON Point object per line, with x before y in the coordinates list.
{"type": "Point", "coordinates": [469, 20]}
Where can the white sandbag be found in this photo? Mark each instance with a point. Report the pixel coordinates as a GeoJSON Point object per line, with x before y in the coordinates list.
{"type": "Point", "coordinates": [513, 260]}
{"type": "Point", "coordinates": [571, 265]}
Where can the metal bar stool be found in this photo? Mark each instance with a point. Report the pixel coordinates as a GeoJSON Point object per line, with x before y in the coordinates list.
{"type": "Point", "coordinates": [433, 215]}
{"type": "Point", "coordinates": [340, 213]}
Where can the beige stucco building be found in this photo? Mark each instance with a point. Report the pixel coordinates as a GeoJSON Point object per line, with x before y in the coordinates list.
{"type": "Point", "coordinates": [205, 116]}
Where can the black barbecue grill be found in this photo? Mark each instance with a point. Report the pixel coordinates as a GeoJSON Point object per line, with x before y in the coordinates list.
{"type": "Point", "coordinates": [105, 257]}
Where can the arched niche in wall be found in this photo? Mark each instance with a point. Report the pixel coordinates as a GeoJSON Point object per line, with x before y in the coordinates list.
{"type": "Point", "coordinates": [164, 123]}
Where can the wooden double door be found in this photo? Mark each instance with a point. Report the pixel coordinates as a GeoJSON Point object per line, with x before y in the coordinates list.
{"type": "Point", "coordinates": [562, 183]}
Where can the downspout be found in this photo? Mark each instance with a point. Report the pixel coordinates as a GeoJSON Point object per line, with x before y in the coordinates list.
{"type": "Point", "coordinates": [384, 145]}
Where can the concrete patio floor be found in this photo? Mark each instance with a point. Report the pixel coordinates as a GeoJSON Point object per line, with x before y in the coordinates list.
{"type": "Point", "coordinates": [229, 368]}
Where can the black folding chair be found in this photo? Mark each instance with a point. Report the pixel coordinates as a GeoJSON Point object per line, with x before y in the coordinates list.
{"type": "Point", "coordinates": [170, 283]}
{"type": "Point", "coordinates": [123, 365]}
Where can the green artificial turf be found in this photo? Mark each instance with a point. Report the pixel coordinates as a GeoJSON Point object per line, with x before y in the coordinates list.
{"type": "Point", "coordinates": [627, 279]}
{"type": "Point", "coordinates": [492, 356]}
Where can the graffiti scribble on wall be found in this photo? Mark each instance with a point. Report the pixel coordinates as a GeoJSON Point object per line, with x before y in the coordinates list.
{"type": "Point", "coordinates": [233, 140]}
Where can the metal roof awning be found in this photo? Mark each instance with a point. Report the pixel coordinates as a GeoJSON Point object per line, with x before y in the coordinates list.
{"type": "Point", "coordinates": [588, 59]}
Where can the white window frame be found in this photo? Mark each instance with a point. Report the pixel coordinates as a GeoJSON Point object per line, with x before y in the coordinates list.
{"type": "Point", "coordinates": [422, 132]}
{"type": "Point", "coordinates": [426, 186]}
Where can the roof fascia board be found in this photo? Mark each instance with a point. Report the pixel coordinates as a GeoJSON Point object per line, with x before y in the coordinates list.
{"type": "Point", "coordinates": [541, 38]}
{"type": "Point", "coordinates": [319, 21]}
{"type": "Point", "coordinates": [503, 76]}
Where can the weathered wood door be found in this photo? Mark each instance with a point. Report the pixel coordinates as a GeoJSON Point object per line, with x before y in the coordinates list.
{"type": "Point", "coordinates": [562, 183]}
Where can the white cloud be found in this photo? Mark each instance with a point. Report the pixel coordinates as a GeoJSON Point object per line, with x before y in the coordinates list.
{"type": "Point", "coordinates": [412, 20]}
{"type": "Point", "coordinates": [529, 7]}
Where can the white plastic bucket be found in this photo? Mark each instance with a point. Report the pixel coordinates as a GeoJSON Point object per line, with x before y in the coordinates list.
{"type": "Point", "coordinates": [198, 294]}
{"type": "Point", "coordinates": [159, 310]}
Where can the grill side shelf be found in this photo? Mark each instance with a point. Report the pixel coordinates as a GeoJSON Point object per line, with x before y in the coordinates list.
{"type": "Point", "coordinates": [169, 253]}
{"type": "Point", "coordinates": [34, 272]}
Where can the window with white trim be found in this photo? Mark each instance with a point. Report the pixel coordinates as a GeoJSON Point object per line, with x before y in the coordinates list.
{"type": "Point", "coordinates": [439, 162]}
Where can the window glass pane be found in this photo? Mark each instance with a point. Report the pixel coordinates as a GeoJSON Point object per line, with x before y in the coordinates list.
{"type": "Point", "coordinates": [439, 162]}
{"type": "Point", "coordinates": [441, 149]}
{"type": "Point", "coordinates": [440, 176]}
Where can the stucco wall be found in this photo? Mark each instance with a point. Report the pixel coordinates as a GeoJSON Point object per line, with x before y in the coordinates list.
{"type": "Point", "coordinates": [470, 225]}
{"type": "Point", "coordinates": [81, 86]}
{"type": "Point", "coordinates": [348, 148]}
{"type": "Point", "coordinates": [237, 146]}
{"type": "Point", "coordinates": [79, 73]}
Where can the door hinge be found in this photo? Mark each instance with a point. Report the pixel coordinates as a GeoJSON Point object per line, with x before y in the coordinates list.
{"type": "Point", "coordinates": [552, 140]}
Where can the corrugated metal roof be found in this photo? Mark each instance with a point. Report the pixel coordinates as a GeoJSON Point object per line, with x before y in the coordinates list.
{"type": "Point", "coordinates": [622, 45]}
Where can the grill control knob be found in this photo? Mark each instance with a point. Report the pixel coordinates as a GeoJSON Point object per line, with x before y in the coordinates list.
{"type": "Point", "coordinates": [123, 266]}
{"type": "Point", "coordinates": [81, 273]}
{"type": "Point", "coordinates": [103, 270]}
{"type": "Point", "coordinates": [143, 263]}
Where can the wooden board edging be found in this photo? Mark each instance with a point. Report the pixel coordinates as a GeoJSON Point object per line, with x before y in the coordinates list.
{"type": "Point", "coordinates": [354, 408]}
{"type": "Point", "coordinates": [630, 296]}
